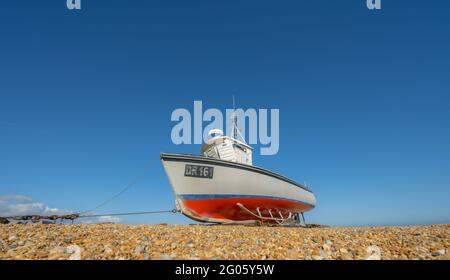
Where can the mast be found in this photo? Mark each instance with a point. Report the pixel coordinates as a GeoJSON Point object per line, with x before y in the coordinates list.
{"type": "Point", "coordinates": [235, 132]}
{"type": "Point", "coordinates": [234, 121]}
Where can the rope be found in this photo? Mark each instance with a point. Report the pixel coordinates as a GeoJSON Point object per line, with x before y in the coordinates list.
{"type": "Point", "coordinates": [107, 201]}
{"type": "Point", "coordinates": [73, 217]}
{"type": "Point", "coordinates": [174, 211]}
{"type": "Point", "coordinates": [127, 187]}
{"type": "Point", "coordinates": [84, 214]}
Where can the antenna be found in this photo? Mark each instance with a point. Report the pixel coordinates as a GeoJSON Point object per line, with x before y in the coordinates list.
{"type": "Point", "coordinates": [234, 104]}
{"type": "Point", "coordinates": [234, 121]}
{"type": "Point", "coordinates": [234, 128]}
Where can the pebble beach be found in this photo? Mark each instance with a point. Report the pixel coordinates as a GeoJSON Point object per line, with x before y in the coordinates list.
{"type": "Point", "coordinates": [200, 242]}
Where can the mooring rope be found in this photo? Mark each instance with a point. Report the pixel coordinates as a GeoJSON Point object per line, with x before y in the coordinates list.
{"type": "Point", "coordinates": [85, 214]}
{"type": "Point", "coordinates": [127, 187]}
{"type": "Point", "coordinates": [74, 217]}
{"type": "Point", "coordinates": [173, 211]}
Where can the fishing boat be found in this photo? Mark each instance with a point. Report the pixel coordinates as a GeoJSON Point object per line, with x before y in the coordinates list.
{"type": "Point", "coordinates": [222, 186]}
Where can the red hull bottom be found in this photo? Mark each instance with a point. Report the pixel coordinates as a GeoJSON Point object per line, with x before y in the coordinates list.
{"type": "Point", "coordinates": [227, 208]}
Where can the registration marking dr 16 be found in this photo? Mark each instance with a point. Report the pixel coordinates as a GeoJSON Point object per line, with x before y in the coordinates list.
{"type": "Point", "coordinates": [199, 171]}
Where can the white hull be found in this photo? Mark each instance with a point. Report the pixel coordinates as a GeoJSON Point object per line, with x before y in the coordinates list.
{"type": "Point", "coordinates": [214, 199]}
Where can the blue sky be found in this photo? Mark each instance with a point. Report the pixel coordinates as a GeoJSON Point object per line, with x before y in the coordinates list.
{"type": "Point", "coordinates": [86, 98]}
